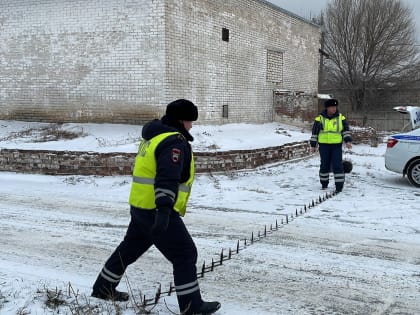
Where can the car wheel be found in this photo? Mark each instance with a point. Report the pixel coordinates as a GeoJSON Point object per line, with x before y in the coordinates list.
{"type": "Point", "coordinates": [413, 173]}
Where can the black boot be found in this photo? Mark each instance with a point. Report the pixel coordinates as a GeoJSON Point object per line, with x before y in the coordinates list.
{"type": "Point", "coordinates": [105, 289]}
{"type": "Point", "coordinates": [112, 295]}
{"type": "Point", "coordinates": [207, 308]}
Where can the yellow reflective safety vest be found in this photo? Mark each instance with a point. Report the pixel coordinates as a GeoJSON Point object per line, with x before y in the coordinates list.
{"type": "Point", "coordinates": [331, 129]}
{"type": "Point", "coordinates": [142, 193]}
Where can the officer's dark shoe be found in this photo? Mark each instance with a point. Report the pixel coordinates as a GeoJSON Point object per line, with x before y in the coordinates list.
{"type": "Point", "coordinates": [113, 295]}
{"type": "Point", "coordinates": [207, 308]}
{"type": "Point", "coordinates": [338, 190]}
{"type": "Point", "coordinates": [324, 187]}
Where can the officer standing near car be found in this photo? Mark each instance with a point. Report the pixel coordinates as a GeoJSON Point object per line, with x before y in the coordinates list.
{"type": "Point", "coordinates": [329, 131]}
{"type": "Point", "coordinates": [162, 179]}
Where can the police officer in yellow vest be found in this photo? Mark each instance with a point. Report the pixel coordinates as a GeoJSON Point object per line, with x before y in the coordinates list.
{"type": "Point", "coordinates": [329, 131]}
{"type": "Point", "coordinates": [162, 179]}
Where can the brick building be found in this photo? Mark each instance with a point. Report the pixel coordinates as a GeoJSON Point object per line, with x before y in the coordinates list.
{"type": "Point", "coordinates": [122, 61]}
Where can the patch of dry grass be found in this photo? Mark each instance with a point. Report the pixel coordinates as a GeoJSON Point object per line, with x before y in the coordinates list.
{"type": "Point", "coordinates": [52, 132]}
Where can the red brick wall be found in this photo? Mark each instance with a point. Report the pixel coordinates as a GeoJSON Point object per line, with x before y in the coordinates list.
{"type": "Point", "coordinates": [94, 163]}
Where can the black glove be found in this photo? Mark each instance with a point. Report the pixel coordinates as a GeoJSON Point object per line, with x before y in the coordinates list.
{"type": "Point", "coordinates": [161, 221]}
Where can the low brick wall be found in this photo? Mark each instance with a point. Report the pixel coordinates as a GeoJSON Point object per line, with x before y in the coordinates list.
{"type": "Point", "coordinates": [95, 163]}
{"type": "Point", "coordinates": [249, 159]}
{"type": "Point", "coordinates": [65, 162]}
{"type": "Point", "coordinates": [365, 135]}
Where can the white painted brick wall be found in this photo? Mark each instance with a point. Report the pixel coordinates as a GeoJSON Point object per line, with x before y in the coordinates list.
{"type": "Point", "coordinates": [123, 61]}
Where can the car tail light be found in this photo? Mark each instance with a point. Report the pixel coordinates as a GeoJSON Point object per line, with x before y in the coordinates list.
{"type": "Point", "coordinates": [391, 142]}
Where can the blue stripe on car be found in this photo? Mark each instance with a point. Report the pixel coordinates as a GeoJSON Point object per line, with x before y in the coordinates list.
{"type": "Point", "coordinates": [406, 137]}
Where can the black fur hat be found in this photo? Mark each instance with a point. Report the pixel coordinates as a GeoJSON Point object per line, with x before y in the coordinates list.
{"type": "Point", "coordinates": [331, 102]}
{"type": "Point", "coordinates": [182, 110]}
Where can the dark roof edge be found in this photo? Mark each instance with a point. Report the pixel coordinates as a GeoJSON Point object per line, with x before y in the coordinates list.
{"type": "Point", "coordinates": [288, 12]}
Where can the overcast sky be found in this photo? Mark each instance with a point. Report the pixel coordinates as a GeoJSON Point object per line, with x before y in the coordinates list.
{"type": "Point", "coordinates": [310, 8]}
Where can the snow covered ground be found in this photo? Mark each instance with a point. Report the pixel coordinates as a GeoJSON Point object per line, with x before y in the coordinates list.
{"type": "Point", "coordinates": [125, 138]}
{"type": "Point", "coordinates": [355, 253]}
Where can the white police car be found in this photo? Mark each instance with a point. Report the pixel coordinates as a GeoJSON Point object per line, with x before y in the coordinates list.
{"type": "Point", "coordinates": [403, 150]}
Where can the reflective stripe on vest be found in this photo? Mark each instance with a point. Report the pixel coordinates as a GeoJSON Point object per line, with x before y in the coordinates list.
{"type": "Point", "coordinates": [142, 193]}
{"type": "Point", "coordinates": [331, 129]}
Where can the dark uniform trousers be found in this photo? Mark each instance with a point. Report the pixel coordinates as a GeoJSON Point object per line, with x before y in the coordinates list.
{"type": "Point", "coordinates": [331, 158]}
{"type": "Point", "coordinates": [175, 244]}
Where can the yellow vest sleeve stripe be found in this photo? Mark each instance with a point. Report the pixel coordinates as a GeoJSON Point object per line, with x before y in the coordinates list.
{"type": "Point", "coordinates": [144, 180]}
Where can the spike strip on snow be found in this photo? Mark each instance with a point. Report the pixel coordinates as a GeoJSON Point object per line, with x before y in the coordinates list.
{"type": "Point", "coordinates": [222, 257]}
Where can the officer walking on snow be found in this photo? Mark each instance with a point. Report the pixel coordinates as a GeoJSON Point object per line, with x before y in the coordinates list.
{"type": "Point", "coordinates": [329, 131]}
{"type": "Point", "coordinates": [162, 179]}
